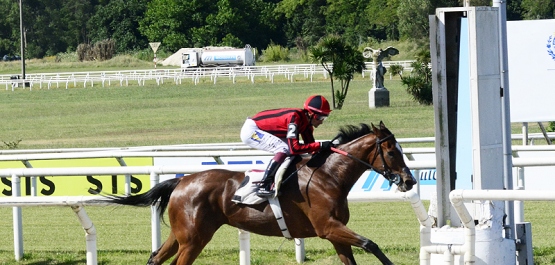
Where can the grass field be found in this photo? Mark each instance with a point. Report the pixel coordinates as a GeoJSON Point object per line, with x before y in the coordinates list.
{"type": "Point", "coordinates": [52, 235]}
{"type": "Point", "coordinates": [187, 113]}
{"type": "Point", "coordinates": [206, 113]}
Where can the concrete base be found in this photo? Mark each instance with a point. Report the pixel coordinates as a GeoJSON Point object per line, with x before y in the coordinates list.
{"type": "Point", "coordinates": [378, 98]}
{"type": "Point", "coordinates": [489, 250]}
{"type": "Point", "coordinates": [490, 245]}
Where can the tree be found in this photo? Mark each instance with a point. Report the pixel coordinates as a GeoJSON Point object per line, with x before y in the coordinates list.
{"type": "Point", "coordinates": [180, 23]}
{"type": "Point", "coordinates": [341, 61]}
{"type": "Point", "coordinates": [304, 21]}
{"type": "Point", "coordinates": [55, 26]}
{"type": "Point", "coordinates": [119, 21]}
{"type": "Point", "coordinates": [346, 18]}
{"type": "Point", "coordinates": [9, 28]}
{"type": "Point", "coordinates": [413, 18]}
{"type": "Point", "coordinates": [172, 22]}
{"type": "Point", "coordinates": [383, 19]}
{"type": "Point", "coordinates": [538, 9]}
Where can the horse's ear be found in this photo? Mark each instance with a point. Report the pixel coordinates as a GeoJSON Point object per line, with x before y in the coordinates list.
{"type": "Point", "coordinates": [374, 128]}
{"type": "Point", "coordinates": [382, 125]}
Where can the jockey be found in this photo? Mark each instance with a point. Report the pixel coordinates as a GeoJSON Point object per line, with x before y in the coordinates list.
{"type": "Point", "coordinates": [278, 131]}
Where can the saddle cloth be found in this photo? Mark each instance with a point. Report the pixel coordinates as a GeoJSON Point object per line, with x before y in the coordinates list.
{"type": "Point", "coordinates": [246, 194]}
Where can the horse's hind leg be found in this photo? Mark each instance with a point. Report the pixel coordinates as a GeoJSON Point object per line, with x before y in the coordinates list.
{"type": "Point", "coordinates": [187, 254]}
{"type": "Point", "coordinates": [166, 251]}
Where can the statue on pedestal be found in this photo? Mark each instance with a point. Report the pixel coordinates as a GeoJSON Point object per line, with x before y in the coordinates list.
{"type": "Point", "coordinates": [377, 56]}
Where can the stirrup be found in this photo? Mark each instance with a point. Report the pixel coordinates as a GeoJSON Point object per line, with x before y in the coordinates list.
{"type": "Point", "coordinates": [265, 190]}
{"type": "Point", "coordinates": [264, 193]}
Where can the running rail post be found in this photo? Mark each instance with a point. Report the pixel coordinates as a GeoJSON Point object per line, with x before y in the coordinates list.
{"type": "Point", "coordinates": [17, 220]}
{"type": "Point", "coordinates": [90, 233]}
{"type": "Point", "coordinates": [155, 218]}
{"type": "Point", "coordinates": [244, 247]}
{"type": "Point", "coordinates": [300, 252]}
{"type": "Point", "coordinates": [469, 246]}
{"type": "Point", "coordinates": [122, 163]}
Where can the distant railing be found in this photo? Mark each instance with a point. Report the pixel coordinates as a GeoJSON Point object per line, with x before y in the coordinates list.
{"type": "Point", "coordinates": [177, 75]}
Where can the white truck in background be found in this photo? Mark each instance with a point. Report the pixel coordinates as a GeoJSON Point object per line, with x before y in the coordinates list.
{"type": "Point", "coordinates": [218, 56]}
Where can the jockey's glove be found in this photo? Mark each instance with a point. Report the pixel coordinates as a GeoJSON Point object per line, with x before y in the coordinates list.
{"type": "Point", "coordinates": [326, 146]}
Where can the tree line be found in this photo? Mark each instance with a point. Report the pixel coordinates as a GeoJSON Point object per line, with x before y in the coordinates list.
{"type": "Point", "coordinates": [56, 26]}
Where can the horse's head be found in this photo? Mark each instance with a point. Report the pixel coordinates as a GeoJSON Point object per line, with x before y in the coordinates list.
{"type": "Point", "coordinates": [388, 159]}
{"type": "Point", "coordinates": [376, 148]}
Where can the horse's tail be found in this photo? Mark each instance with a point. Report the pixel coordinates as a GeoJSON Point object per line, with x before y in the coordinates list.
{"type": "Point", "coordinates": [158, 194]}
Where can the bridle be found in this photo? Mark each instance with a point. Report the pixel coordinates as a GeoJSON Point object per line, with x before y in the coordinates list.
{"type": "Point", "coordinates": [386, 171]}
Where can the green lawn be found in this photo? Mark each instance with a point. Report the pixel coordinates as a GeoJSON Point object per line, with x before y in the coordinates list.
{"type": "Point", "coordinates": [52, 235]}
{"type": "Point", "coordinates": [176, 114]}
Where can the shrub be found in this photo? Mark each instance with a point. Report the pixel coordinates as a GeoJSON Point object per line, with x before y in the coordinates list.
{"type": "Point", "coordinates": [12, 144]}
{"type": "Point", "coordinates": [101, 51]}
{"type": "Point", "coordinates": [396, 69]}
{"type": "Point", "coordinates": [419, 82]}
{"type": "Point", "coordinates": [84, 52]}
{"type": "Point", "coordinates": [275, 53]}
{"type": "Point", "coordinates": [104, 50]}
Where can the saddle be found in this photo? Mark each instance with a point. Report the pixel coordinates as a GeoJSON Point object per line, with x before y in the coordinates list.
{"type": "Point", "coordinates": [246, 193]}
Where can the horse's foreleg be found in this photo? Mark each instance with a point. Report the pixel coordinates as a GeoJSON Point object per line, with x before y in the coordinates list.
{"type": "Point", "coordinates": [166, 251]}
{"type": "Point", "coordinates": [373, 248]}
{"type": "Point", "coordinates": [345, 253]}
{"type": "Point", "coordinates": [338, 234]}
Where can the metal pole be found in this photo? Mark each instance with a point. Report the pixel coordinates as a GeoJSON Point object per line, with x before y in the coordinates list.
{"type": "Point", "coordinates": [505, 114]}
{"type": "Point", "coordinates": [17, 220]}
{"type": "Point", "coordinates": [155, 218]}
{"type": "Point", "coordinates": [22, 35]}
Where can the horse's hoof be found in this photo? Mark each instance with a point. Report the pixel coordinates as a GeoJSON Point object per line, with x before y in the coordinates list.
{"type": "Point", "coordinates": [152, 255]}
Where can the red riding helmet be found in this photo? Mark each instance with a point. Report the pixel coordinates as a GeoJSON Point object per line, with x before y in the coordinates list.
{"type": "Point", "coordinates": [317, 104]}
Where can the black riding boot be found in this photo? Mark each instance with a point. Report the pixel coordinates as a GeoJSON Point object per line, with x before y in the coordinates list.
{"type": "Point", "coordinates": [265, 186]}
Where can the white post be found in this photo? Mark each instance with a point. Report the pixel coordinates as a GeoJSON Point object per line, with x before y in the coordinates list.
{"type": "Point", "coordinates": [155, 219]}
{"type": "Point", "coordinates": [90, 233]}
{"type": "Point", "coordinates": [299, 250]}
{"type": "Point", "coordinates": [127, 176]}
{"type": "Point", "coordinates": [524, 133]}
{"type": "Point", "coordinates": [17, 220]}
{"type": "Point", "coordinates": [244, 247]}
{"type": "Point", "coordinates": [519, 205]}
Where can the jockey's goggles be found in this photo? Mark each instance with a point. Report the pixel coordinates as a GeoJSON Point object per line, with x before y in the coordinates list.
{"type": "Point", "coordinates": [320, 117]}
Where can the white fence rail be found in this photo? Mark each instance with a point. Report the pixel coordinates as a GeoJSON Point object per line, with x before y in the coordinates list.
{"type": "Point", "coordinates": [78, 202]}
{"type": "Point", "coordinates": [211, 150]}
{"type": "Point", "coordinates": [458, 197]}
{"type": "Point", "coordinates": [177, 75]}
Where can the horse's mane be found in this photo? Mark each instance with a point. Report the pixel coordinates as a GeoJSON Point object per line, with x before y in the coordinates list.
{"type": "Point", "coordinates": [348, 133]}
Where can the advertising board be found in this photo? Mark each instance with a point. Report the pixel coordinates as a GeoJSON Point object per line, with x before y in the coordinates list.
{"type": "Point", "coordinates": [77, 185]}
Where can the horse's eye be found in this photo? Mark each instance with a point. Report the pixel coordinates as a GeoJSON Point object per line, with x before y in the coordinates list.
{"type": "Point", "coordinates": [391, 153]}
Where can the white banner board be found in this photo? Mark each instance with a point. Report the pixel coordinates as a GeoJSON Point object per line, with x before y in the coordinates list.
{"type": "Point", "coordinates": [531, 64]}
{"type": "Point", "coordinates": [369, 181]}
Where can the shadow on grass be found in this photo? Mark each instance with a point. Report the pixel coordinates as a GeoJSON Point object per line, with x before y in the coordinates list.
{"type": "Point", "coordinates": [40, 257]}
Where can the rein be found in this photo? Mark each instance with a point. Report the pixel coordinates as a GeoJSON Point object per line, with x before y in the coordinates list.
{"type": "Point", "coordinates": [386, 172]}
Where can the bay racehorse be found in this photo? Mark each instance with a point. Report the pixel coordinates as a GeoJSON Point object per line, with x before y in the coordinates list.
{"type": "Point", "coordinates": [313, 201]}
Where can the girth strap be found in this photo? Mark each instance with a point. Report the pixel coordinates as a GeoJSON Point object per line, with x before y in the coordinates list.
{"type": "Point", "coordinates": [276, 208]}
